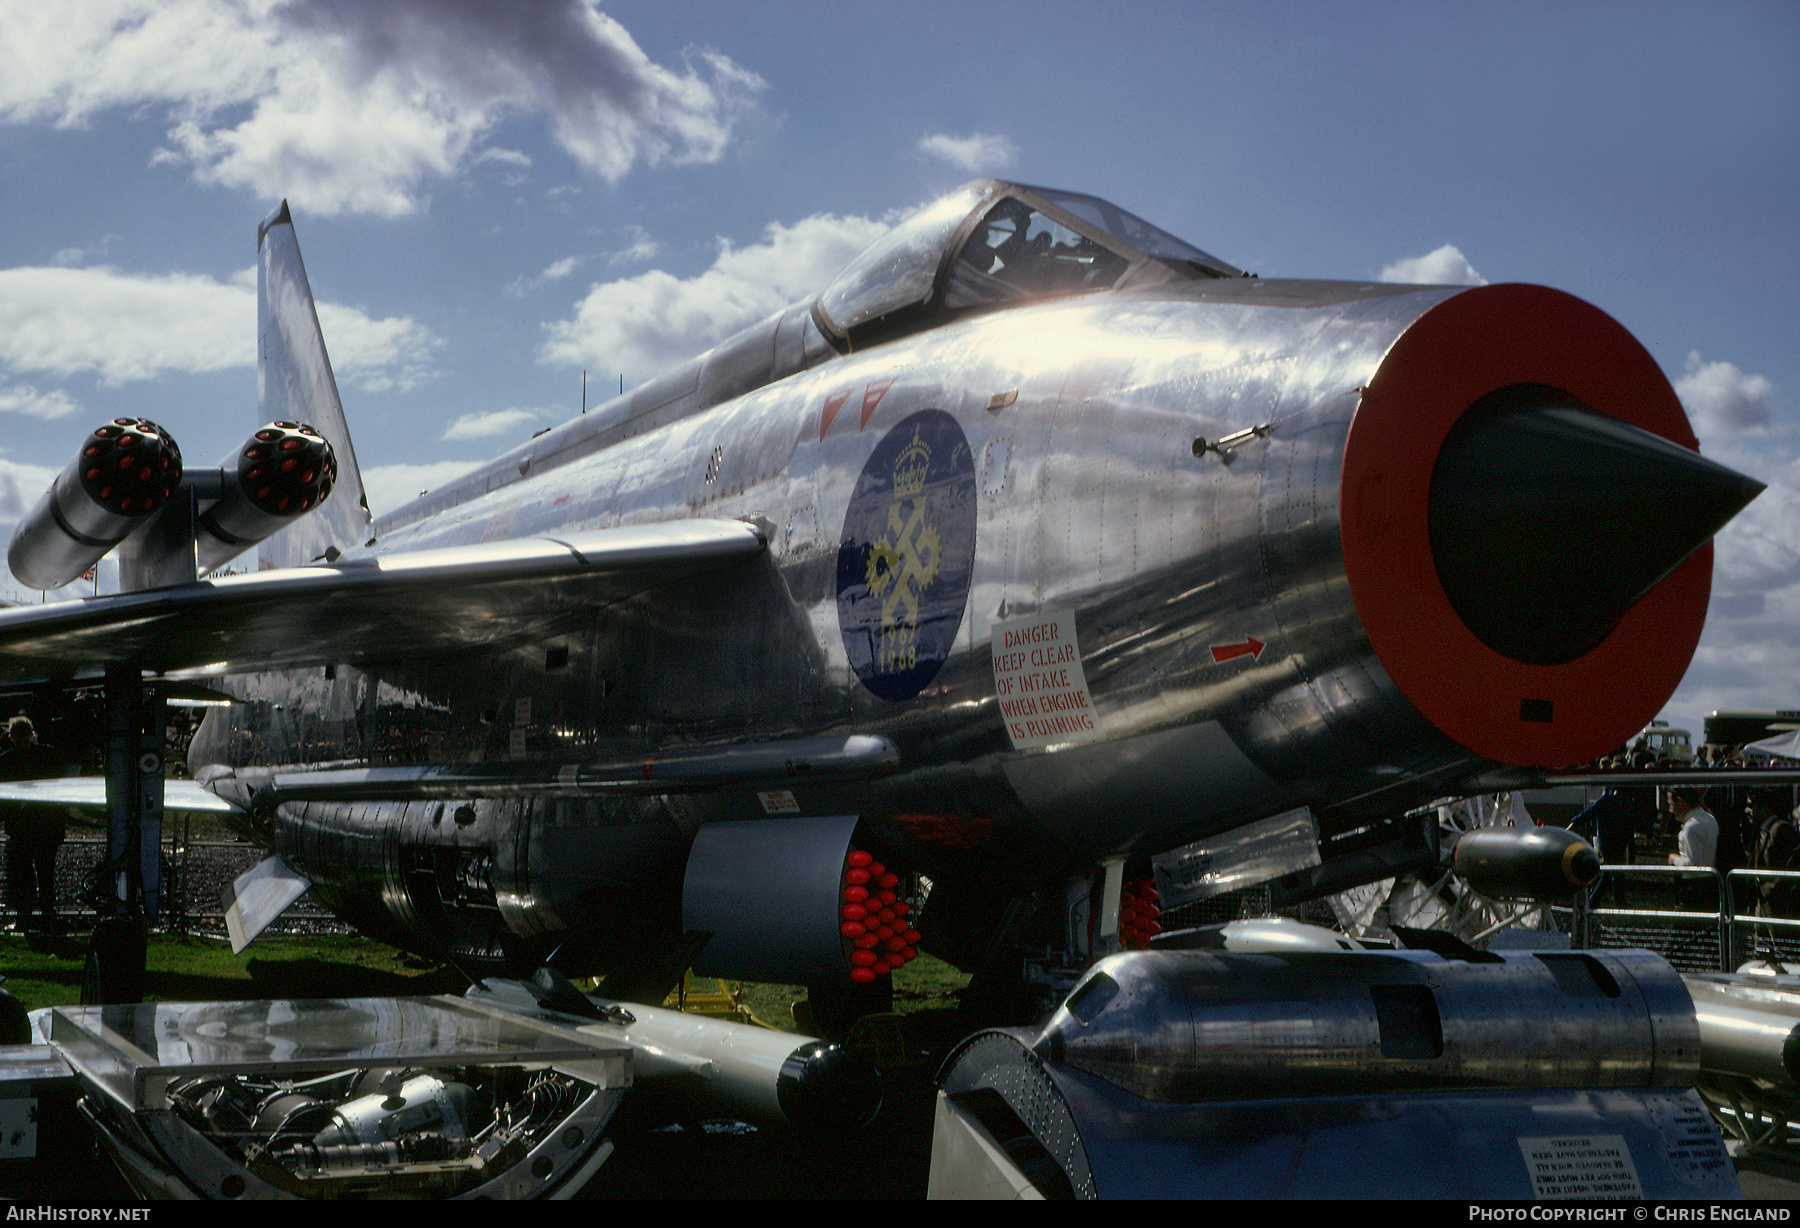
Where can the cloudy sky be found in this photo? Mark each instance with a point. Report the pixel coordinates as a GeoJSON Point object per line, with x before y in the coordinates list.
{"type": "Point", "coordinates": [495, 195]}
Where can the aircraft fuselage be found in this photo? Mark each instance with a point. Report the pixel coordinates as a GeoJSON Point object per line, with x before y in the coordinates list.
{"type": "Point", "coordinates": [1000, 472]}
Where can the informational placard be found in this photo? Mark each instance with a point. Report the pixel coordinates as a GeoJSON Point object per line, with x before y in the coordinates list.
{"type": "Point", "coordinates": [1695, 1150]}
{"type": "Point", "coordinates": [779, 801]}
{"type": "Point", "coordinates": [1581, 1166]}
{"type": "Point", "coordinates": [1043, 693]}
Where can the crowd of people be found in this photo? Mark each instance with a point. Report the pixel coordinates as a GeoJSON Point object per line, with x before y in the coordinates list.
{"type": "Point", "coordinates": [1722, 827]}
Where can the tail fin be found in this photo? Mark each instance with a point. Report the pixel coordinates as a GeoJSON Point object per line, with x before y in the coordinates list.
{"type": "Point", "coordinates": [294, 383]}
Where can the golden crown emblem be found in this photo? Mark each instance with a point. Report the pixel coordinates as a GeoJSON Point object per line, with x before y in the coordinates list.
{"type": "Point", "coordinates": [911, 468]}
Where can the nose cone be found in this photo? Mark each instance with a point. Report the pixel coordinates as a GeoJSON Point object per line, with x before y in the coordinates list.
{"type": "Point", "coordinates": [1550, 521]}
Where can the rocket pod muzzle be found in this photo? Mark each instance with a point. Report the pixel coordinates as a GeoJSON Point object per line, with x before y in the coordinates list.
{"type": "Point", "coordinates": [122, 475]}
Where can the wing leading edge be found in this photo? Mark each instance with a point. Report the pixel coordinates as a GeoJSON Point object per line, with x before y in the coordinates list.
{"type": "Point", "coordinates": [365, 610]}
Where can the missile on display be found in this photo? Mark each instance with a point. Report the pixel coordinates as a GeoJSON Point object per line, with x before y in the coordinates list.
{"type": "Point", "coordinates": [126, 487]}
{"type": "Point", "coordinates": [1281, 1073]}
{"type": "Point", "coordinates": [1531, 863]}
{"type": "Point", "coordinates": [766, 1074]}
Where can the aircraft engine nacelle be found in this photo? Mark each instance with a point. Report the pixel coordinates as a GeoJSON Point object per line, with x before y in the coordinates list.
{"type": "Point", "coordinates": [283, 471]}
{"type": "Point", "coordinates": [790, 901]}
{"type": "Point", "coordinates": [124, 473]}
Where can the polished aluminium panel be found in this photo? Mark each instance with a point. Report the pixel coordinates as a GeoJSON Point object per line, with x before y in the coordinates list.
{"type": "Point", "coordinates": [368, 607]}
{"type": "Point", "coordinates": [802, 760]}
{"type": "Point", "coordinates": [1749, 1026]}
{"type": "Point", "coordinates": [294, 383]}
{"type": "Point", "coordinates": [1157, 464]}
{"type": "Point", "coordinates": [1195, 1025]}
{"type": "Point", "coordinates": [1181, 1074]}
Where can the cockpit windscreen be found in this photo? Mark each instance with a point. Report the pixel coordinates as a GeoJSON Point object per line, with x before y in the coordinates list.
{"type": "Point", "coordinates": [990, 244]}
{"type": "Point", "coordinates": [1129, 228]}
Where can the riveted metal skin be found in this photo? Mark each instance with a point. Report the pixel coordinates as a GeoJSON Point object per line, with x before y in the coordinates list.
{"type": "Point", "coordinates": [1200, 1025]}
{"type": "Point", "coordinates": [1182, 1074]}
{"type": "Point", "coordinates": [1098, 506]}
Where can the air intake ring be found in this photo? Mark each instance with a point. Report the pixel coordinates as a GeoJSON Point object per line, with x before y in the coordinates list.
{"type": "Point", "coordinates": [1502, 592]}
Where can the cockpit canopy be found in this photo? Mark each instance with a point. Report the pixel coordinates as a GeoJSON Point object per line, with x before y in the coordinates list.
{"type": "Point", "coordinates": [990, 244]}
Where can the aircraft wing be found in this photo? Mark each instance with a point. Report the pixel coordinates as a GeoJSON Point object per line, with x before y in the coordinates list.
{"type": "Point", "coordinates": [88, 793]}
{"type": "Point", "coordinates": [367, 610]}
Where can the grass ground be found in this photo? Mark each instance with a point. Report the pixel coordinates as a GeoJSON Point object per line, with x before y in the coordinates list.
{"type": "Point", "coordinates": [46, 971]}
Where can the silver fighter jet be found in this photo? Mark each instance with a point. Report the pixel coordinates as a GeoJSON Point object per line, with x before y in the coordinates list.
{"type": "Point", "coordinates": [1041, 558]}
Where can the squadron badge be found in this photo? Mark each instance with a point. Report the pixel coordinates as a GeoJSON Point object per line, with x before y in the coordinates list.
{"type": "Point", "coordinates": [907, 552]}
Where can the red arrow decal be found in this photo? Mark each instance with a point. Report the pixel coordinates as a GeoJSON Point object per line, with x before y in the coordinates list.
{"type": "Point", "coordinates": [872, 397]}
{"type": "Point", "coordinates": [833, 403]}
{"type": "Point", "coordinates": [1251, 647]}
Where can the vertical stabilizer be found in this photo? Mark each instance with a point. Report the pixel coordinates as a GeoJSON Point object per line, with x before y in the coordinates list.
{"type": "Point", "coordinates": [294, 384]}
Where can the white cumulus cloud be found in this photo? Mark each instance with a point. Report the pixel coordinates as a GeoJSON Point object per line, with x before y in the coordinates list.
{"type": "Point", "coordinates": [124, 327]}
{"type": "Point", "coordinates": [643, 324]}
{"type": "Point", "coordinates": [376, 355]}
{"type": "Point", "coordinates": [491, 423]}
{"type": "Point", "coordinates": [974, 153]}
{"type": "Point", "coordinates": [1722, 400]}
{"type": "Point", "coordinates": [641, 248]}
{"type": "Point", "coordinates": [26, 399]}
{"type": "Point", "coordinates": [1749, 654]}
{"type": "Point", "coordinates": [519, 287]}
{"type": "Point", "coordinates": [390, 486]}
{"type": "Point", "coordinates": [1445, 266]}
{"type": "Point", "coordinates": [347, 106]}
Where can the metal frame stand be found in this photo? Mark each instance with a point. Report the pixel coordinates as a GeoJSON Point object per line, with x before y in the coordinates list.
{"type": "Point", "coordinates": [135, 717]}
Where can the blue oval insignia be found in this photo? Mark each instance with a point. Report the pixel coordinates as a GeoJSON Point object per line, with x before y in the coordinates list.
{"type": "Point", "coordinates": [907, 553]}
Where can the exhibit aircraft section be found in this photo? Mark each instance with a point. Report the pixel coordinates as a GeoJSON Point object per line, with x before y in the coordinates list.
{"type": "Point", "coordinates": [1042, 556]}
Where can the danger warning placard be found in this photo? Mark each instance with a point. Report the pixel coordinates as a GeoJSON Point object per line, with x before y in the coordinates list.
{"type": "Point", "coordinates": [1043, 694]}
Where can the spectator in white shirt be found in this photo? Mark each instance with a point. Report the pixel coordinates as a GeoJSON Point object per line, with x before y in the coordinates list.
{"type": "Point", "coordinates": [1698, 841]}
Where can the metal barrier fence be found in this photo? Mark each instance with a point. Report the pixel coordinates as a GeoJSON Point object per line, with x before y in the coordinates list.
{"type": "Point", "coordinates": [195, 873]}
{"type": "Point", "coordinates": [1777, 937]}
{"type": "Point", "coordinates": [1694, 917]}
